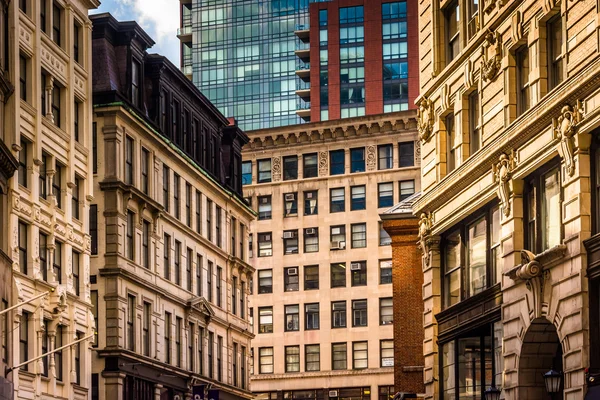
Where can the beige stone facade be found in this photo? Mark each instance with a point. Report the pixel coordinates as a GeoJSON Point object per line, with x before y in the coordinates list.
{"type": "Point", "coordinates": [48, 128]}
{"type": "Point", "coordinates": [508, 112]}
{"type": "Point", "coordinates": [322, 294]}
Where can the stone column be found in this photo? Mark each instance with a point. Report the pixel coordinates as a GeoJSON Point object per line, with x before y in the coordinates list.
{"type": "Point", "coordinates": [113, 385]}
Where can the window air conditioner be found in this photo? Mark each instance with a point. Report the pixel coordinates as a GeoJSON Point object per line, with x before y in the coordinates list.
{"type": "Point", "coordinates": [288, 235]}
{"type": "Point", "coordinates": [292, 271]}
{"type": "Point", "coordinates": [311, 231]}
{"type": "Point", "coordinates": [290, 196]}
{"type": "Point", "coordinates": [333, 393]}
{"type": "Point", "coordinates": [354, 266]}
{"type": "Point", "coordinates": [335, 245]}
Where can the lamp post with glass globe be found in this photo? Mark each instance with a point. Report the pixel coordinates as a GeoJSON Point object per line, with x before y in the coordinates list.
{"type": "Point", "coordinates": [553, 381]}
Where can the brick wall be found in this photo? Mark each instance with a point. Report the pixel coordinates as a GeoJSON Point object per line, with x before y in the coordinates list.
{"type": "Point", "coordinates": [408, 305]}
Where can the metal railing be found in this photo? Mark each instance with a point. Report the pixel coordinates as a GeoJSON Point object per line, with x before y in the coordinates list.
{"type": "Point", "coordinates": [184, 30]}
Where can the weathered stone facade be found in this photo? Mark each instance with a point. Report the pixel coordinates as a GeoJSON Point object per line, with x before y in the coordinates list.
{"type": "Point", "coordinates": [508, 112]}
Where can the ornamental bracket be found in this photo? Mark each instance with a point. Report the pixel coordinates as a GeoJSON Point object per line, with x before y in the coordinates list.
{"type": "Point", "coordinates": [425, 119]}
{"type": "Point", "coordinates": [503, 178]}
{"type": "Point", "coordinates": [425, 224]}
{"type": "Point", "coordinates": [566, 128]}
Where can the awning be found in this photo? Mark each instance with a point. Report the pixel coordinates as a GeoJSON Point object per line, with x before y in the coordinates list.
{"type": "Point", "coordinates": [593, 393]}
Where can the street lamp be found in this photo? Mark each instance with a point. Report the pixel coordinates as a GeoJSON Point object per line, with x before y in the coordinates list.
{"type": "Point", "coordinates": [492, 393]}
{"type": "Point", "coordinates": [553, 380]}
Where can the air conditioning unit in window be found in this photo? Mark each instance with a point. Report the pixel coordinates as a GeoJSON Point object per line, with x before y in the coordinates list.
{"type": "Point", "coordinates": [335, 245]}
{"type": "Point", "coordinates": [333, 393]}
{"type": "Point", "coordinates": [288, 235]}
{"type": "Point", "coordinates": [309, 195]}
{"type": "Point", "coordinates": [311, 231]}
{"type": "Point", "coordinates": [292, 271]}
{"type": "Point", "coordinates": [264, 200]}
{"type": "Point", "coordinates": [354, 266]}
{"type": "Point", "coordinates": [290, 196]}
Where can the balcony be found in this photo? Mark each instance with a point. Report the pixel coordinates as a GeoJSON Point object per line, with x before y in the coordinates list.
{"type": "Point", "coordinates": [303, 71]}
{"type": "Point", "coordinates": [303, 33]}
{"type": "Point", "coordinates": [303, 52]}
{"type": "Point", "coordinates": [303, 111]}
{"type": "Point", "coordinates": [185, 33]}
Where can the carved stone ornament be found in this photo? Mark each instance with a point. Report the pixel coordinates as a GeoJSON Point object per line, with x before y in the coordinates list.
{"type": "Point", "coordinates": [565, 129]}
{"type": "Point", "coordinates": [490, 66]}
{"type": "Point", "coordinates": [276, 169]}
{"type": "Point", "coordinates": [371, 158]}
{"type": "Point", "coordinates": [503, 175]}
{"type": "Point", "coordinates": [418, 152]}
{"type": "Point", "coordinates": [516, 27]}
{"type": "Point", "coordinates": [489, 5]}
{"type": "Point", "coordinates": [323, 168]}
{"type": "Point", "coordinates": [425, 119]}
{"type": "Point", "coordinates": [425, 223]}
{"type": "Point", "coordinates": [469, 76]}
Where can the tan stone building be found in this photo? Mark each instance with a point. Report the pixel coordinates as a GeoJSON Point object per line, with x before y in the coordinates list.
{"type": "Point", "coordinates": [322, 293]}
{"type": "Point", "coordinates": [47, 126]}
{"type": "Point", "coordinates": [170, 277]}
{"type": "Point", "coordinates": [508, 118]}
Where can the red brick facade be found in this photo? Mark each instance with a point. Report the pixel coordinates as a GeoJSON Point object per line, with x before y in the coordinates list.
{"type": "Point", "coordinates": [408, 305]}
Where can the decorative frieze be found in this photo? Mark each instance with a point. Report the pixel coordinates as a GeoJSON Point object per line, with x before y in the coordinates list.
{"type": "Point", "coordinates": [276, 168]}
{"type": "Point", "coordinates": [371, 158]}
{"type": "Point", "coordinates": [323, 164]}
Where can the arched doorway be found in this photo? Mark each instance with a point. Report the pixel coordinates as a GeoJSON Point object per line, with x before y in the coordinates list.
{"type": "Point", "coordinates": [541, 351]}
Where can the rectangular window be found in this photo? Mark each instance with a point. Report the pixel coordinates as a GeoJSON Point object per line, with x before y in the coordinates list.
{"type": "Point", "coordinates": [130, 322]}
{"type": "Point", "coordinates": [58, 356]}
{"type": "Point", "coordinates": [407, 189]}
{"type": "Point", "coordinates": [337, 200]}
{"type": "Point", "coordinates": [336, 162]}
{"type": "Point", "coordinates": [406, 152]}
{"type": "Point", "coordinates": [384, 156]}
{"type": "Point", "coordinates": [265, 281]}
{"type": "Point", "coordinates": [199, 266]}
{"type": "Point", "coordinates": [44, 256]}
{"type": "Point", "coordinates": [219, 281]}
{"type": "Point", "coordinates": [24, 339]}
{"type": "Point", "coordinates": [339, 356]}
{"type": "Point", "coordinates": [384, 237]}
{"type": "Point", "coordinates": [57, 184]}
{"type": "Point", "coordinates": [4, 322]}
{"type": "Point", "coordinates": [290, 242]}
{"type": "Point", "coordinates": [56, 24]}
{"type": "Point", "coordinates": [209, 217]}
{"type": "Point", "coordinates": [136, 72]}
{"type": "Point", "coordinates": [23, 162]}
{"type": "Point", "coordinates": [146, 244]}
{"type": "Point", "coordinates": [310, 165]}
{"type": "Point", "coordinates": [190, 343]}
{"type": "Point", "coordinates": [451, 153]}
{"type": "Point", "coordinates": [209, 279]}
{"type": "Point", "coordinates": [176, 193]}
{"type": "Point", "coordinates": [452, 21]}
{"type": "Point", "coordinates": [338, 314]}
{"type": "Point", "coordinates": [188, 269]}
{"type": "Point", "coordinates": [234, 285]}
{"type": "Point", "coordinates": [311, 316]}
{"type": "Point", "coordinates": [357, 160]}
{"type": "Point", "coordinates": [94, 148]}
{"type": "Point", "coordinates": [218, 222]}
{"type": "Point", "coordinates": [243, 368]}
{"type": "Point", "coordinates": [386, 311]}
{"type": "Point", "coordinates": [290, 202]}
{"type": "Point", "coordinates": [359, 236]}
{"type": "Point", "coordinates": [167, 257]}
{"type": "Point", "coordinates": [43, 178]}
{"type": "Point", "coordinates": [312, 357]}
{"type": "Point", "coordinates": [385, 194]}
{"type": "Point", "coordinates": [474, 123]}
{"type": "Point", "coordinates": [359, 313]}
{"type": "Point", "coordinates": [233, 230]}
{"type": "Point", "coordinates": [264, 207]}
{"type": "Point", "coordinates": [166, 194]}
{"type": "Point", "coordinates": [247, 173]}
{"type": "Point", "coordinates": [23, 246]}
{"type": "Point", "coordinates": [523, 95]}
{"type": "Point", "coordinates": [311, 206]}
{"type": "Point", "coordinates": [76, 41]}
{"type": "Point", "coordinates": [291, 279]}
{"type": "Point", "coordinates": [94, 228]}
{"type": "Point", "coordinates": [311, 277]}
{"type": "Point", "coordinates": [311, 240]}
{"type": "Point", "coordinates": [338, 237]}
{"type": "Point", "coordinates": [94, 301]}
{"type": "Point", "coordinates": [358, 273]}
{"type": "Point", "coordinates": [264, 171]}
{"type": "Point", "coordinates": [292, 318]}
{"type": "Point", "coordinates": [178, 348]}
{"type": "Point", "coordinates": [146, 323]}
{"type": "Point", "coordinates": [385, 272]}
{"type": "Point", "coordinates": [242, 300]}
{"type": "Point", "coordinates": [543, 211]}
{"type": "Point", "coordinates": [129, 243]}
{"type": "Point", "coordinates": [129, 160]}
{"type": "Point", "coordinates": [290, 168]}
{"type": "Point", "coordinates": [292, 358]}
{"type": "Point", "coordinates": [198, 212]}
{"type": "Point", "coordinates": [75, 196]}
{"type": "Point", "coordinates": [386, 353]}
{"type": "Point", "coordinates": [554, 36]}
{"type": "Point", "coordinates": [360, 355]}
{"type": "Point", "coordinates": [265, 360]}
{"type": "Point", "coordinates": [55, 104]}
{"type": "Point", "coordinates": [358, 197]}
{"type": "Point", "coordinates": [75, 272]}
{"type": "Point", "coordinates": [338, 275]}
{"type": "Point", "coordinates": [57, 265]}
{"type": "Point", "coordinates": [265, 245]}
{"type": "Point", "coordinates": [145, 171]}
{"type": "Point", "coordinates": [167, 338]}
{"type": "Point", "coordinates": [211, 349]}
{"type": "Point", "coordinates": [265, 320]}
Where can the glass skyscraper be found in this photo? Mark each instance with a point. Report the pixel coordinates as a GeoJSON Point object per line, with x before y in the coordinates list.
{"type": "Point", "coordinates": [241, 54]}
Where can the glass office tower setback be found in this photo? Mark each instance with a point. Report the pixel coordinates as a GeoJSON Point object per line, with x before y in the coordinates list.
{"type": "Point", "coordinates": [242, 56]}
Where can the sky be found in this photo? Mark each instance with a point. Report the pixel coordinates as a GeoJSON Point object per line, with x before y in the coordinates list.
{"type": "Point", "coordinates": [159, 18]}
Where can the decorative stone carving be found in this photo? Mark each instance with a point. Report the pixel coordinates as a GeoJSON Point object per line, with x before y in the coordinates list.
{"type": "Point", "coordinates": [371, 158]}
{"type": "Point", "coordinates": [503, 176]}
{"type": "Point", "coordinates": [469, 75]}
{"type": "Point", "coordinates": [516, 27]}
{"type": "Point", "coordinates": [323, 167]}
{"type": "Point", "coordinates": [445, 97]}
{"type": "Point", "coordinates": [417, 152]}
{"type": "Point", "coordinates": [276, 169]}
{"type": "Point", "coordinates": [490, 66]}
{"type": "Point", "coordinates": [565, 128]}
{"type": "Point", "coordinates": [425, 224]}
{"type": "Point", "coordinates": [425, 119]}
{"type": "Point", "coordinates": [489, 5]}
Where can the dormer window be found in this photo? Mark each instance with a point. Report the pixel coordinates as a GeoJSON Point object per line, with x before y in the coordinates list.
{"type": "Point", "coordinates": [135, 82]}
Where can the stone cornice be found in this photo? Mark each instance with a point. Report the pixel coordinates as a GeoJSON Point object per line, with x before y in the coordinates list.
{"type": "Point", "coordinates": [330, 131]}
{"type": "Point", "coordinates": [519, 132]}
